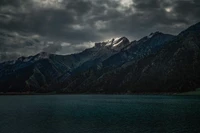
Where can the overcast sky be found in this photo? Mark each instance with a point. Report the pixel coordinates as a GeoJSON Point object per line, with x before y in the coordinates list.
{"type": "Point", "coordinates": [69, 26]}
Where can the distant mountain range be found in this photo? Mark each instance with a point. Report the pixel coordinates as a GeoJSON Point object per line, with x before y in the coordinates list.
{"type": "Point", "coordinates": [157, 63]}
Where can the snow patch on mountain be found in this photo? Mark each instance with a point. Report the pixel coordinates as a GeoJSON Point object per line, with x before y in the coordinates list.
{"type": "Point", "coordinates": [114, 43]}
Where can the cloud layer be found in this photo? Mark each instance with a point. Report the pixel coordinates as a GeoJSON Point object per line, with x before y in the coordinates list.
{"type": "Point", "coordinates": [76, 22]}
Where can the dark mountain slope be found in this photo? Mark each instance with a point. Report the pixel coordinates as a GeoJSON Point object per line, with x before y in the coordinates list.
{"type": "Point", "coordinates": [105, 77]}
{"type": "Point", "coordinates": [37, 73]}
{"type": "Point", "coordinates": [174, 68]}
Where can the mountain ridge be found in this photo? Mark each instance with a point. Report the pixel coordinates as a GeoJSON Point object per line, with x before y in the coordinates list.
{"type": "Point", "coordinates": [155, 63]}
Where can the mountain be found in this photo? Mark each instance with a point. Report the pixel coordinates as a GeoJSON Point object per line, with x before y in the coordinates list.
{"type": "Point", "coordinates": [139, 49]}
{"type": "Point", "coordinates": [102, 78]}
{"type": "Point", "coordinates": [156, 63]}
{"type": "Point", "coordinates": [174, 67]}
{"type": "Point", "coordinates": [37, 73]}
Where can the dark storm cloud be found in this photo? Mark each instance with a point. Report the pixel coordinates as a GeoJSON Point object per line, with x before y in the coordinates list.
{"type": "Point", "coordinates": [80, 7]}
{"type": "Point", "coordinates": [79, 21]}
{"type": "Point", "coordinates": [10, 2]}
{"type": "Point", "coordinates": [153, 15]}
{"type": "Point", "coordinates": [52, 48]}
{"type": "Point", "coordinates": [190, 9]}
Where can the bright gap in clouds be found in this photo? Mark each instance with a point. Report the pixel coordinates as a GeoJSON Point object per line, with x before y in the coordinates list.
{"type": "Point", "coordinates": [126, 3]}
{"type": "Point", "coordinates": [49, 3]}
{"type": "Point", "coordinates": [168, 9]}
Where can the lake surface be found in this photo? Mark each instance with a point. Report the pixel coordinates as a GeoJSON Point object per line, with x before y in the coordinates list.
{"type": "Point", "coordinates": [99, 114]}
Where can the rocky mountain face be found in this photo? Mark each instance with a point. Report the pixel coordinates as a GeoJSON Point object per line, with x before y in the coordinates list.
{"type": "Point", "coordinates": [156, 63]}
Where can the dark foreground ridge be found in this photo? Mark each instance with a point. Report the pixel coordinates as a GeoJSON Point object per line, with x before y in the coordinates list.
{"type": "Point", "coordinates": [158, 63]}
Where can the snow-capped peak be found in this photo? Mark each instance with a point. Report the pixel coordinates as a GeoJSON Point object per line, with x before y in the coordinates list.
{"type": "Point", "coordinates": [151, 35]}
{"type": "Point", "coordinates": [109, 42]}
{"type": "Point", "coordinates": [117, 43]}
{"type": "Point", "coordinates": [114, 43]}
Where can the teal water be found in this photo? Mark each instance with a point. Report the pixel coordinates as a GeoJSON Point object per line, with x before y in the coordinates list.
{"type": "Point", "coordinates": [99, 114]}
